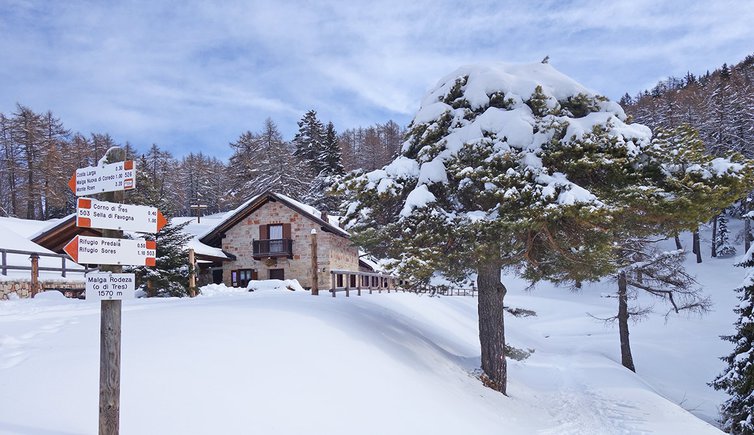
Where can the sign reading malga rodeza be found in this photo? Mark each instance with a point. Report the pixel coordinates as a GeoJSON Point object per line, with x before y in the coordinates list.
{"type": "Point", "coordinates": [108, 286]}
{"type": "Point", "coordinates": [107, 250]}
{"type": "Point", "coordinates": [113, 216]}
{"type": "Point", "coordinates": [104, 178]}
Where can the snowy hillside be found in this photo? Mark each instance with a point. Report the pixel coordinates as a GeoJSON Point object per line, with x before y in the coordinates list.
{"type": "Point", "coordinates": [282, 362]}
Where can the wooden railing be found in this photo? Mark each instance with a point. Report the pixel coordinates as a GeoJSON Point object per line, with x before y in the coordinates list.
{"type": "Point", "coordinates": [348, 280]}
{"type": "Point", "coordinates": [34, 259]}
{"type": "Point", "coordinates": [272, 248]}
{"type": "Point", "coordinates": [473, 292]}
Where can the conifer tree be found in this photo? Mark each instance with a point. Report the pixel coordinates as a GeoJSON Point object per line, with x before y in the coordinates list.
{"type": "Point", "coordinates": [308, 142]}
{"type": "Point", "coordinates": [483, 184]}
{"type": "Point", "coordinates": [722, 245]}
{"type": "Point", "coordinates": [321, 194]}
{"type": "Point", "coordinates": [169, 275]}
{"type": "Point", "coordinates": [737, 379]}
{"type": "Point", "coordinates": [264, 161]}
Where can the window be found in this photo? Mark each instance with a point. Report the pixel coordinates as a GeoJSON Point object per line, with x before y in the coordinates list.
{"type": "Point", "coordinates": [276, 239]}
{"type": "Point", "coordinates": [241, 277]}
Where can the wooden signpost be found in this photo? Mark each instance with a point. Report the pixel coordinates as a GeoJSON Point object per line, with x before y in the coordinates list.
{"type": "Point", "coordinates": [111, 178]}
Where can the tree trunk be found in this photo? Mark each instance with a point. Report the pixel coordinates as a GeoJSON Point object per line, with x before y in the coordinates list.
{"type": "Point", "coordinates": [697, 248]}
{"type": "Point", "coordinates": [678, 244]}
{"type": "Point", "coordinates": [747, 234]}
{"type": "Point", "coordinates": [625, 346]}
{"type": "Point", "coordinates": [491, 326]}
{"type": "Point", "coordinates": [714, 237]}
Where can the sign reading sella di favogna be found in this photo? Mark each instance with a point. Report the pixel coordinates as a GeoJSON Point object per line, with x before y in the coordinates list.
{"type": "Point", "coordinates": [113, 216]}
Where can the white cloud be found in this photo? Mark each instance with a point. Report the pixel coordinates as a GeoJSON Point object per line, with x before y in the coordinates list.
{"type": "Point", "coordinates": [164, 72]}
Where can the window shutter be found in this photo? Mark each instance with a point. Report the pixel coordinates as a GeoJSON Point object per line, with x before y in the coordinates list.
{"type": "Point", "coordinates": [287, 231]}
{"type": "Point", "coordinates": [264, 232]}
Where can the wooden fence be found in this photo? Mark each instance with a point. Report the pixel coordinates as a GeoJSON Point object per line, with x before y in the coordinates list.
{"type": "Point", "coordinates": [66, 267]}
{"type": "Point", "coordinates": [348, 281]}
{"type": "Point", "coordinates": [34, 266]}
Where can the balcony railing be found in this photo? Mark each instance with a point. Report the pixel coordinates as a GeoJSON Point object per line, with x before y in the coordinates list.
{"type": "Point", "coordinates": [273, 248]}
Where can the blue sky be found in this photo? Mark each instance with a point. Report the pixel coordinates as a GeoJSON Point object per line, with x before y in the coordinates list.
{"type": "Point", "coordinates": [194, 75]}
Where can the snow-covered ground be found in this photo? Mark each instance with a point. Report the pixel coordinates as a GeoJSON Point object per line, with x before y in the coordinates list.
{"type": "Point", "coordinates": [284, 362]}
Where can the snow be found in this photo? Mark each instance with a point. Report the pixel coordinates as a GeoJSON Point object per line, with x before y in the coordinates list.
{"type": "Point", "coordinates": [10, 239]}
{"type": "Point", "coordinates": [286, 362]}
{"type": "Point", "coordinates": [433, 172]}
{"type": "Point", "coordinates": [419, 197]}
{"type": "Point", "coordinates": [28, 228]}
{"type": "Point", "coordinates": [275, 285]}
{"type": "Point", "coordinates": [512, 130]}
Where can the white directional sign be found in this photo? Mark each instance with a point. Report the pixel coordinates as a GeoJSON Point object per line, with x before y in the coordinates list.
{"type": "Point", "coordinates": [106, 250]}
{"type": "Point", "coordinates": [103, 178]}
{"type": "Point", "coordinates": [109, 286]}
{"type": "Point", "coordinates": [113, 216]}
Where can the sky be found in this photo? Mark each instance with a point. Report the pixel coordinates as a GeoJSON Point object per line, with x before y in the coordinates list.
{"type": "Point", "coordinates": [192, 76]}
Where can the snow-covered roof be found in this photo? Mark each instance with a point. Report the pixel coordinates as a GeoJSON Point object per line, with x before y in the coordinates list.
{"type": "Point", "coordinates": [29, 228]}
{"type": "Point", "coordinates": [15, 236]}
{"type": "Point", "coordinates": [229, 219]}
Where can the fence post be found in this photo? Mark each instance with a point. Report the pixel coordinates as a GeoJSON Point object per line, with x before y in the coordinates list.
{"type": "Point", "coordinates": [358, 284]}
{"type": "Point", "coordinates": [192, 272]}
{"type": "Point", "coordinates": [5, 263]}
{"type": "Point", "coordinates": [34, 274]}
{"type": "Point", "coordinates": [347, 277]}
{"type": "Point", "coordinates": [332, 283]}
{"type": "Point", "coordinates": [63, 261]}
{"type": "Point", "coordinates": [314, 266]}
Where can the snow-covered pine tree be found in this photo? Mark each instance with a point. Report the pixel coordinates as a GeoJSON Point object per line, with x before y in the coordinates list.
{"type": "Point", "coordinates": [308, 142]}
{"type": "Point", "coordinates": [664, 188]}
{"type": "Point", "coordinates": [737, 379]}
{"type": "Point", "coordinates": [722, 244]}
{"type": "Point", "coordinates": [169, 275]}
{"type": "Point", "coordinates": [330, 161]}
{"type": "Point", "coordinates": [264, 161]}
{"type": "Point", "coordinates": [479, 187]}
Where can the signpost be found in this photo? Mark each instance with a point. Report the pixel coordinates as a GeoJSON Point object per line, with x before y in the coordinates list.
{"type": "Point", "coordinates": [107, 250]}
{"type": "Point", "coordinates": [127, 217]}
{"type": "Point", "coordinates": [110, 286]}
{"type": "Point", "coordinates": [112, 177]}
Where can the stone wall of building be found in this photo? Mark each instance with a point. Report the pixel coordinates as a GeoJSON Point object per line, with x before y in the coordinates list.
{"type": "Point", "coordinates": [333, 251]}
{"type": "Point", "coordinates": [22, 287]}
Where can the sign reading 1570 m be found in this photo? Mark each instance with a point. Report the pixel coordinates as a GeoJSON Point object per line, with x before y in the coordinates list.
{"type": "Point", "coordinates": [104, 178]}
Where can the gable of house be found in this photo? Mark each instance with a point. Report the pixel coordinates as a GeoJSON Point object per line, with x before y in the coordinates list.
{"type": "Point", "coordinates": [270, 237]}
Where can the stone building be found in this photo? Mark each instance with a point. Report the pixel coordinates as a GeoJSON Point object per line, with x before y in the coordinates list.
{"type": "Point", "coordinates": [270, 237]}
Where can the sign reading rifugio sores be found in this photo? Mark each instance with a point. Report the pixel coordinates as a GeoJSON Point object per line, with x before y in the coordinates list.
{"type": "Point", "coordinates": [110, 286]}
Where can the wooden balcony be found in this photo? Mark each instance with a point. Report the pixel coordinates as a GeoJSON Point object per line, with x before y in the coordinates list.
{"type": "Point", "coordinates": [272, 248]}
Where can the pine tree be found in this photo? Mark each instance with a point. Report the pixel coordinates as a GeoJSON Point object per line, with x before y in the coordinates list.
{"type": "Point", "coordinates": [737, 379]}
{"type": "Point", "coordinates": [308, 142]}
{"type": "Point", "coordinates": [321, 193]}
{"type": "Point", "coordinates": [492, 180]}
{"type": "Point", "coordinates": [264, 161]}
{"type": "Point", "coordinates": [169, 275]}
{"type": "Point", "coordinates": [722, 245]}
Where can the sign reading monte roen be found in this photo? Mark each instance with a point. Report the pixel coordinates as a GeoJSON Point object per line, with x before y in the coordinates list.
{"type": "Point", "coordinates": [113, 216]}
{"type": "Point", "coordinates": [105, 178]}
{"type": "Point", "coordinates": [106, 250]}
{"type": "Point", "coordinates": [110, 286]}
